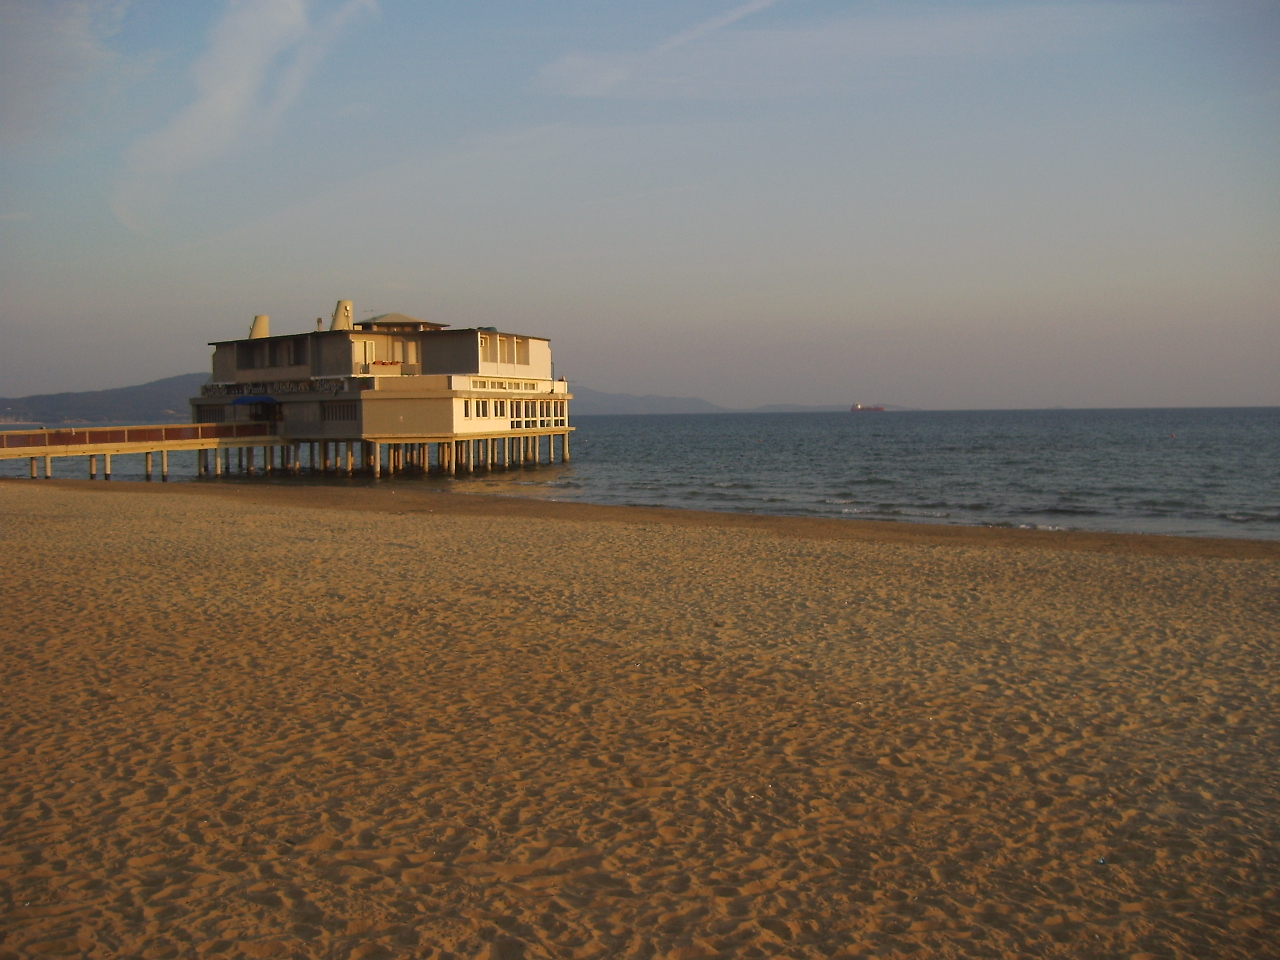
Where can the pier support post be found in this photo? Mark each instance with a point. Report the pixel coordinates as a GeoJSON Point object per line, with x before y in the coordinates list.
{"type": "Point", "coordinates": [164, 466]}
{"type": "Point", "coordinates": [351, 458]}
{"type": "Point", "coordinates": [149, 465]}
{"type": "Point", "coordinates": [202, 463]}
{"type": "Point", "coordinates": [377, 460]}
{"type": "Point", "coordinates": [93, 466]}
{"type": "Point", "coordinates": [565, 448]}
{"type": "Point", "coordinates": [217, 462]}
{"type": "Point", "coordinates": [106, 466]}
{"type": "Point", "coordinates": [249, 460]}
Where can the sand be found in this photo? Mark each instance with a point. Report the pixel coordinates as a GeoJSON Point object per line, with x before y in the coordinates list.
{"type": "Point", "coordinates": [266, 721]}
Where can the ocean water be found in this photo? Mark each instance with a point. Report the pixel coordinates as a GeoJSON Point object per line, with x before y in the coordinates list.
{"type": "Point", "coordinates": [1212, 472]}
{"type": "Point", "coordinates": [1209, 472]}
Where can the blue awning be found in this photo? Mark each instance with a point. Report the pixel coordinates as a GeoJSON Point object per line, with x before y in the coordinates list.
{"type": "Point", "coordinates": [239, 400]}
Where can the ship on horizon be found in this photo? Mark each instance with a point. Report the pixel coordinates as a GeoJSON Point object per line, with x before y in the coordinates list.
{"type": "Point", "coordinates": [859, 408]}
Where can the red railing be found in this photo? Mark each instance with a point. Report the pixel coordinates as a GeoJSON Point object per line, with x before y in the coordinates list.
{"type": "Point", "coordinates": [156, 434]}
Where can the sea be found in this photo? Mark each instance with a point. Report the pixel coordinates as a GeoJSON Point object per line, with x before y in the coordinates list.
{"type": "Point", "coordinates": [1203, 472]}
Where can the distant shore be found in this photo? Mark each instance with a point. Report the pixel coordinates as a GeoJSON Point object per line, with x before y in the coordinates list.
{"type": "Point", "coordinates": [317, 721]}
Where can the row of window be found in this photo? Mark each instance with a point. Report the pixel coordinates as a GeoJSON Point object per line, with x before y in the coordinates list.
{"type": "Point", "coordinates": [531, 413]}
{"type": "Point", "coordinates": [254, 355]}
{"type": "Point", "coordinates": [402, 351]}
{"type": "Point", "coordinates": [334, 411]}
{"type": "Point", "coordinates": [519, 408]}
{"type": "Point", "coordinates": [503, 349]}
{"type": "Point", "coordinates": [502, 385]}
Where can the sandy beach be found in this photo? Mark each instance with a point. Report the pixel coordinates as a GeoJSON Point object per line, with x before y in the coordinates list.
{"type": "Point", "coordinates": [288, 721]}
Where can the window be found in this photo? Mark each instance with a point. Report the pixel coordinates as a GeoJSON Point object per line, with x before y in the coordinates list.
{"type": "Point", "coordinates": [482, 408]}
{"type": "Point", "coordinates": [211, 414]}
{"type": "Point", "coordinates": [531, 386]}
{"type": "Point", "coordinates": [522, 350]}
{"type": "Point", "coordinates": [248, 356]}
{"type": "Point", "coordinates": [275, 353]}
{"type": "Point", "coordinates": [299, 357]}
{"type": "Point", "coordinates": [397, 351]}
{"type": "Point", "coordinates": [466, 408]}
{"type": "Point", "coordinates": [499, 408]}
{"type": "Point", "coordinates": [413, 355]}
{"type": "Point", "coordinates": [363, 353]}
{"type": "Point", "coordinates": [479, 384]}
{"type": "Point", "coordinates": [506, 350]}
{"type": "Point", "coordinates": [333, 411]}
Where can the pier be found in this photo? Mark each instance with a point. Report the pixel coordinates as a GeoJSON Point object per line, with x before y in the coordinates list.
{"type": "Point", "coordinates": [258, 448]}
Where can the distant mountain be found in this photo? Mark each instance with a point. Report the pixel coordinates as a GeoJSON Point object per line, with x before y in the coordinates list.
{"type": "Point", "coordinates": [588, 402]}
{"type": "Point", "coordinates": [797, 408]}
{"type": "Point", "coordinates": [165, 401]}
{"type": "Point", "coordinates": [161, 401]}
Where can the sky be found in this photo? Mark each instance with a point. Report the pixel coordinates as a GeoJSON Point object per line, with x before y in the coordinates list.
{"type": "Point", "coordinates": [955, 205]}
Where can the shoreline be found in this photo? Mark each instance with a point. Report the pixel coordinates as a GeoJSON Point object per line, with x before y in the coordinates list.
{"type": "Point", "coordinates": [402, 500]}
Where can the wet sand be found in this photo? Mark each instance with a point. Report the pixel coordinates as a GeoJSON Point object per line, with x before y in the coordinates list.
{"type": "Point", "coordinates": [254, 720]}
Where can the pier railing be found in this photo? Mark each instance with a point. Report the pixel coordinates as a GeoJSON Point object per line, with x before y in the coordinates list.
{"type": "Point", "coordinates": [33, 440]}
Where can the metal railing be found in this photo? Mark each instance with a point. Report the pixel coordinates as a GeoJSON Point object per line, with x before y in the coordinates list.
{"type": "Point", "coordinates": [35, 439]}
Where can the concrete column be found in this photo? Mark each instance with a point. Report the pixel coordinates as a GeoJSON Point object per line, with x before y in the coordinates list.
{"type": "Point", "coordinates": [93, 466]}
{"type": "Point", "coordinates": [377, 459]}
{"type": "Point", "coordinates": [106, 466]}
{"type": "Point", "coordinates": [34, 471]}
{"type": "Point", "coordinates": [217, 462]}
{"type": "Point", "coordinates": [351, 458]}
{"type": "Point", "coordinates": [564, 450]}
{"type": "Point", "coordinates": [148, 455]}
{"type": "Point", "coordinates": [164, 466]}
{"type": "Point", "coordinates": [249, 460]}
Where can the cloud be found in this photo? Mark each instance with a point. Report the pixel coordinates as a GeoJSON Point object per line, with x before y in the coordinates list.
{"type": "Point", "coordinates": [587, 75]}
{"type": "Point", "coordinates": [49, 50]}
{"type": "Point", "coordinates": [711, 61]}
{"type": "Point", "coordinates": [260, 56]}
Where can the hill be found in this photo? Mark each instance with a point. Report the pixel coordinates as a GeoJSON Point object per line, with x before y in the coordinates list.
{"type": "Point", "coordinates": [165, 401]}
{"type": "Point", "coordinates": [160, 401]}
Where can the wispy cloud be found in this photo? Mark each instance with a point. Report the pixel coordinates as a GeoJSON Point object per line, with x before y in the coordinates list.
{"type": "Point", "coordinates": [790, 59]}
{"type": "Point", "coordinates": [49, 50]}
{"type": "Point", "coordinates": [259, 58]}
{"type": "Point", "coordinates": [598, 75]}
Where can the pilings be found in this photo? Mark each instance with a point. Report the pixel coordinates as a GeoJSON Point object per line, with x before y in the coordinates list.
{"type": "Point", "coordinates": [449, 456]}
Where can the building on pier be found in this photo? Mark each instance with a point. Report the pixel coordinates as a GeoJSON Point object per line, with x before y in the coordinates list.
{"type": "Point", "coordinates": [482, 397]}
{"type": "Point", "coordinates": [389, 393]}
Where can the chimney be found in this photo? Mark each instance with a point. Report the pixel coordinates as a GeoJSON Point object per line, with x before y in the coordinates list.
{"type": "Point", "coordinates": [342, 316]}
{"type": "Point", "coordinates": [261, 327]}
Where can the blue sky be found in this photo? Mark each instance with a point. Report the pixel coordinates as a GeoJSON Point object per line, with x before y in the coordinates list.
{"type": "Point", "coordinates": [983, 204]}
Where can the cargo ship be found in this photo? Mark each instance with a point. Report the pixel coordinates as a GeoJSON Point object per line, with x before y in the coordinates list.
{"type": "Point", "coordinates": [859, 408]}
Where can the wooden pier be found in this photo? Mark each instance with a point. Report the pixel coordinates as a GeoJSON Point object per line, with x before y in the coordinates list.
{"type": "Point", "coordinates": [226, 448]}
